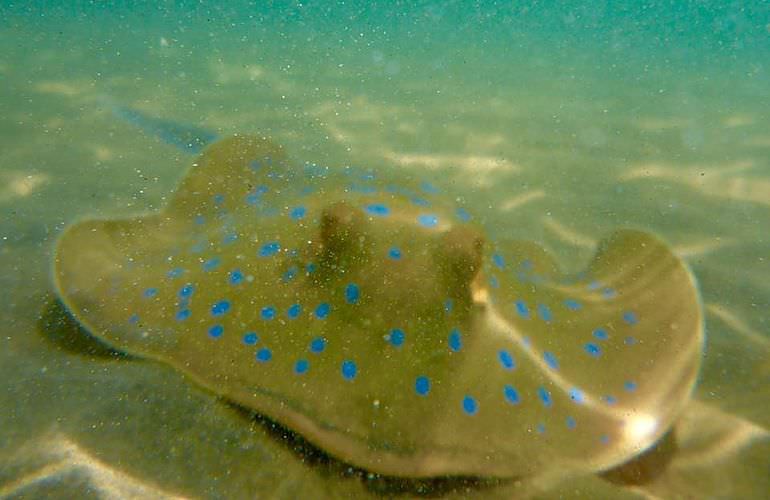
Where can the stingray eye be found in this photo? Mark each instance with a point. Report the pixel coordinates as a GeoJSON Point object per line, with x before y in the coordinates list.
{"type": "Point", "coordinates": [341, 235]}
{"type": "Point", "coordinates": [458, 258]}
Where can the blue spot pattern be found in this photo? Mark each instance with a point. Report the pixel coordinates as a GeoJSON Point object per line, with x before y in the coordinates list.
{"type": "Point", "coordinates": [302, 366]}
{"type": "Point", "coordinates": [317, 345]}
{"type": "Point", "coordinates": [498, 260]}
{"type": "Point", "coordinates": [551, 360]}
{"type": "Point", "coordinates": [455, 340]}
{"type": "Point", "coordinates": [377, 209]}
{"type": "Point", "coordinates": [264, 355]}
{"type": "Point", "coordinates": [270, 249]}
{"type": "Point", "coordinates": [150, 293]}
{"type": "Point", "coordinates": [220, 308]}
{"type": "Point", "coordinates": [470, 406]}
{"type": "Point", "coordinates": [576, 395]}
{"type": "Point", "coordinates": [544, 396]}
{"type": "Point", "coordinates": [630, 318]}
{"type": "Point", "coordinates": [216, 331]}
{"type": "Point", "coordinates": [572, 305]}
{"type": "Point", "coordinates": [211, 264]}
{"type": "Point", "coordinates": [352, 293]}
{"type": "Point", "coordinates": [428, 220]}
{"type": "Point", "coordinates": [600, 334]}
{"type": "Point", "coordinates": [397, 337]}
{"type": "Point", "coordinates": [521, 309]}
{"type": "Point", "coordinates": [186, 291]}
{"type": "Point", "coordinates": [322, 311]}
{"type": "Point", "coordinates": [544, 312]}
{"type": "Point", "coordinates": [267, 312]}
{"type": "Point", "coordinates": [293, 311]}
{"type": "Point", "coordinates": [349, 369]}
{"type": "Point", "coordinates": [394, 253]}
{"type": "Point", "coordinates": [236, 277]}
{"type": "Point", "coordinates": [593, 349]}
{"type": "Point", "coordinates": [510, 394]}
{"type": "Point", "coordinates": [506, 360]}
{"type": "Point", "coordinates": [298, 213]}
{"type": "Point", "coordinates": [250, 338]}
{"type": "Point", "coordinates": [422, 385]}
{"type": "Point", "coordinates": [183, 314]}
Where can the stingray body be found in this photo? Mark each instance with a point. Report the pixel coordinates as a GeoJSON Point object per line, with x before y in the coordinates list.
{"type": "Point", "coordinates": [381, 322]}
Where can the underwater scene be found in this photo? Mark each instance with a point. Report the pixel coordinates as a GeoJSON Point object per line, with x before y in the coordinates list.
{"type": "Point", "coordinates": [460, 249]}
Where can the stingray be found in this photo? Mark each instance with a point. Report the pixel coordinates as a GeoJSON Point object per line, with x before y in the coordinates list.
{"type": "Point", "coordinates": [384, 323]}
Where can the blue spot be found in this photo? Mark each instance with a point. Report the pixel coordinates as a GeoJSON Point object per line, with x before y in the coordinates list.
{"type": "Point", "coordinates": [183, 314]}
{"type": "Point", "coordinates": [630, 318]}
{"type": "Point", "coordinates": [290, 273]}
{"type": "Point", "coordinates": [397, 337]}
{"type": "Point", "coordinates": [429, 188]}
{"type": "Point", "coordinates": [255, 165]}
{"type": "Point", "coordinates": [219, 199]}
{"type": "Point", "coordinates": [322, 311]}
{"type": "Point", "coordinates": [572, 305]}
{"type": "Point", "coordinates": [150, 292]}
{"type": "Point", "coordinates": [610, 399]}
{"type": "Point", "coordinates": [317, 345]}
{"type": "Point", "coordinates": [571, 424]}
{"type": "Point", "coordinates": [216, 331]}
{"type": "Point", "coordinates": [463, 215]}
{"type": "Point", "coordinates": [448, 304]}
{"type": "Point", "coordinates": [211, 264]}
{"type": "Point", "coordinates": [197, 248]}
{"type": "Point", "coordinates": [594, 285]}
{"type": "Point", "coordinates": [267, 312]}
{"type": "Point", "coordinates": [493, 282]}
{"type": "Point", "coordinates": [351, 293]}
{"type": "Point", "coordinates": [576, 395]}
{"type": "Point", "coordinates": [349, 369]}
{"type": "Point", "coordinates": [544, 312]}
{"type": "Point", "coordinates": [609, 293]}
{"type": "Point", "coordinates": [629, 385]}
{"type": "Point", "coordinates": [521, 309]}
{"type": "Point", "coordinates": [301, 366]}
{"type": "Point", "coordinates": [250, 338]}
{"type": "Point", "coordinates": [601, 334]}
{"type": "Point", "coordinates": [298, 213]}
{"type": "Point", "coordinates": [551, 360]}
{"type": "Point", "coordinates": [498, 260]}
{"type": "Point", "coordinates": [264, 355]}
{"type": "Point", "coordinates": [175, 273]}
{"type": "Point", "coordinates": [630, 340]}
{"type": "Point", "coordinates": [604, 439]}
{"type": "Point", "coordinates": [310, 268]}
{"type": "Point", "coordinates": [236, 277]}
{"type": "Point", "coordinates": [293, 311]}
{"type": "Point", "coordinates": [220, 308]}
{"type": "Point", "coordinates": [199, 220]}
{"type": "Point", "coordinates": [526, 265]}
{"type": "Point", "coordinates": [470, 406]}
{"type": "Point", "coordinates": [540, 428]}
{"type": "Point", "coordinates": [377, 209]}
{"type": "Point", "coordinates": [593, 349]}
{"type": "Point", "coordinates": [420, 202]}
{"type": "Point", "coordinates": [134, 318]}
{"type": "Point", "coordinates": [428, 220]}
{"type": "Point", "coordinates": [186, 291]}
{"type": "Point", "coordinates": [510, 394]}
{"type": "Point", "coordinates": [455, 340]}
{"type": "Point", "coordinates": [506, 360]}
{"type": "Point", "coordinates": [544, 396]}
{"type": "Point", "coordinates": [229, 238]}
{"type": "Point", "coordinates": [422, 385]}
{"type": "Point", "coordinates": [394, 253]}
{"type": "Point", "coordinates": [269, 249]}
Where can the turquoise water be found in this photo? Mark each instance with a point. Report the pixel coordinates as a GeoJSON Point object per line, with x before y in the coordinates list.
{"type": "Point", "coordinates": [563, 124]}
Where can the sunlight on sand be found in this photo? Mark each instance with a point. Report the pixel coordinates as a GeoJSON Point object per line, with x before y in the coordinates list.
{"type": "Point", "coordinates": [519, 201]}
{"type": "Point", "coordinates": [16, 184]}
{"type": "Point", "coordinates": [66, 89]}
{"type": "Point", "coordinates": [732, 320]}
{"type": "Point", "coordinates": [59, 459]}
{"type": "Point", "coordinates": [482, 169]}
{"type": "Point", "coordinates": [568, 235]}
{"type": "Point", "coordinates": [717, 182]}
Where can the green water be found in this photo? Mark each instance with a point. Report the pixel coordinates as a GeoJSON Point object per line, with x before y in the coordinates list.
{"type": "Point", "coordinates": [559, 124]}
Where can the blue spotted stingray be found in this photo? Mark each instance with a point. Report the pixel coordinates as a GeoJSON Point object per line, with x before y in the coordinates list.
{"type": "Point", "coordinates": [378, 320]}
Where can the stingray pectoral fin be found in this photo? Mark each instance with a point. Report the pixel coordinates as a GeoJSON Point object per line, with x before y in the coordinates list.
{"type": "Point", "coordinates": [94, 264]}
{"type": "Point", "coordinates": [230, 174]}
{"type": "Point", "coordinates": [614, 351]}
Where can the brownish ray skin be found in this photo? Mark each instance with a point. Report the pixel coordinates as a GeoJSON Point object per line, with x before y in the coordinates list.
{"type": "Point", "coordinates": [377, 422]}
